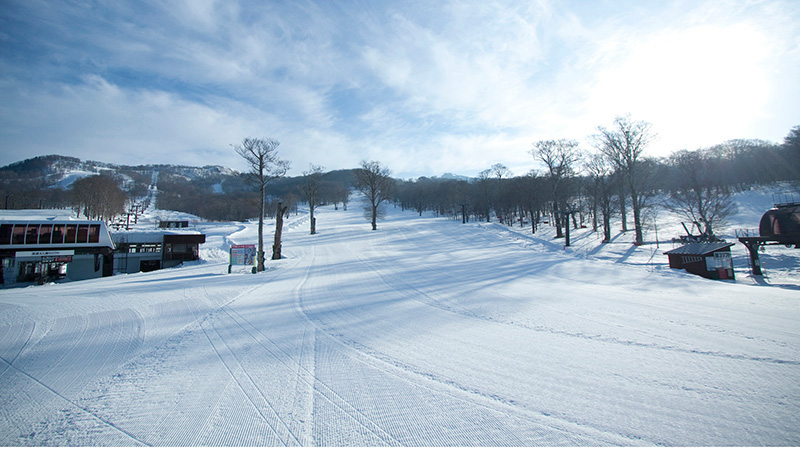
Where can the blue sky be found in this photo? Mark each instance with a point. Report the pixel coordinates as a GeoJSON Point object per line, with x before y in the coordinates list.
{"type": "Point", "coordinates": [425, 87]}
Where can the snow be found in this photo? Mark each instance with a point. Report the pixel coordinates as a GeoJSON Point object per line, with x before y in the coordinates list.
{"type": "Point", "coordinates": [427, 332]}
{"type": "Point", "coordinates": [69, 177]}
{"type": "Point", "coordinates": [55, 215]}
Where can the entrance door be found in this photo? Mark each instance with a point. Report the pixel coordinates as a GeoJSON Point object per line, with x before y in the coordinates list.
{"type": "Point", "coordinates": [28, 271]}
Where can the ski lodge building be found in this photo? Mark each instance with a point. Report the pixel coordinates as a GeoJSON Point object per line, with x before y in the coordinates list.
{"type": "Point", "coordinates": [42, 245]}
{"type": "Point", "coordinates": [145, 251]}
{"type": "Point", "coordinates": [37, 246]}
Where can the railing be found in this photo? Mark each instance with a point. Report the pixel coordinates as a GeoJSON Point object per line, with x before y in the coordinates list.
{"type": "Point", "coordinates": [747, 233]}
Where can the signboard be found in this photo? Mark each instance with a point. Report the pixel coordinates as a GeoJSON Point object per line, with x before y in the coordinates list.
{"type": "Point", "coordinates": [44, 253]}
{"type": "Point", "coordinates": [57, 259]}
{"type": "Point", "coordinates": [243, 255]}
{"type": "Point", "coordinates": [720, 260]}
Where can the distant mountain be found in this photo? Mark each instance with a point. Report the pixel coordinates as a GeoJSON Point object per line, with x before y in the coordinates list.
{"type": "Point", "coordinates": [212, 192]}
{"type": "Point", "coordinates": [452, 176]}
{"type": "Point", "coordinates": [56, 171]}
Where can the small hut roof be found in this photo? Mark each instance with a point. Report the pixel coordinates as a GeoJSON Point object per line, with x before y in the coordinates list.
{"type": "Point", "coordinates": [700, 248]}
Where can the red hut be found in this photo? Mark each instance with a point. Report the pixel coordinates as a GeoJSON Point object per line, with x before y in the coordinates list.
{"type": "Point", "coordinates": [710, 260]}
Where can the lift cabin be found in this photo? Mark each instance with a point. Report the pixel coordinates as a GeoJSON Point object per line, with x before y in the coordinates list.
{"type": "Point", "coordinates": [779, 226]}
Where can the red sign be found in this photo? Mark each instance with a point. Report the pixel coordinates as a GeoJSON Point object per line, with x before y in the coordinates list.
{"type": "Point", "coordinates": [56, 259]}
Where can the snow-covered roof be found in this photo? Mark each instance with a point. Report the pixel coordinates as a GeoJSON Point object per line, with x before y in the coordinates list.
{"type": "Point", "coordinates": [700, 248]}
{"type": "Point", "coordinates": [148, 236]}
{"type": "Point", "coordinates": [38, 215]}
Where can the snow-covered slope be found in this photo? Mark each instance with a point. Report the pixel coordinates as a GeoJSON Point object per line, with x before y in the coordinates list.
{"type": "Point", "coordinates": [426, 332]}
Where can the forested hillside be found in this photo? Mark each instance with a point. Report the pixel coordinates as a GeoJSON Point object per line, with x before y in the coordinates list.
{"type": "Point", "coordinates": [575, 185]}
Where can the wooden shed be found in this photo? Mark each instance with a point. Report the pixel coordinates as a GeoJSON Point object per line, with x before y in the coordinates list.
{"type": "Point", "coordinates": [710, 260]}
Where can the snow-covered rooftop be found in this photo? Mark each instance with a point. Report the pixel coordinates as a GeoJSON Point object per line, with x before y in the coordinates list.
{"type": "Point", "coordinates": [59, 215]}
{"type": "Point", "coordinates": [148, 236]}
{"type": "Point", "coordinates": [700, 248]}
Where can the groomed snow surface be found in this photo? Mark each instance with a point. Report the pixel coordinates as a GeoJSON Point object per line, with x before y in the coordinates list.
{"type": "Point", "coordinates": [426, 332]}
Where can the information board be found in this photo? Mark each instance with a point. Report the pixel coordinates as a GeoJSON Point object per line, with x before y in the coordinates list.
{"type": "Point", "coordinates": [243, 255]}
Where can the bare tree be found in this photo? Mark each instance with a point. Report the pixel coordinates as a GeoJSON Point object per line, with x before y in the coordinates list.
{"type": "Point", "coordinates": [500, 207]}
{"type": "Point", "coordinates": [262, 158]}
{"type": "Point", "coordinates": [500, 171]}
{"type": "Point", "coordinates": [700, 197]}
{"type": "Point", "coordinates": [98, 197]}
{"type": "Point", "coordinates": [559, 156]}
{"type": "Point", "coordinates": [602, 189]}
{"type": "Point", "coordinates": [374, 182]}
{"type": "Point", "coordinates": [624, 145]}
{"type": "Point", "coordinates": [483, 195]}
{"type": "Point", "coordinates": [534, 196]}
{"type": "Point", "coordinates": [336, 192]}
{"type": "Point", "coordinates": [791, 147]}
{"type": "Point", "coordinates": [312, 189]}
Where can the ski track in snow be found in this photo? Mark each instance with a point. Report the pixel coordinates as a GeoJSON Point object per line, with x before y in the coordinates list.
{"type": "Point", "coordinates": [424, 333]}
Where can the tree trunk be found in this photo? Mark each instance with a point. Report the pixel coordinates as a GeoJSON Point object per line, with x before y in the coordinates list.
{"type": "Point", "coordinates": [558, 221]}
{"type": "Point", "coordinates": [276, 246]}
{"type": "Point", "coordinates": [260, 255]}
{"type": "Point", "coordinates": [637, 218]}
{"type": "Point", "coordinates": [313, 220]}
{"type": "Point", "coordinates": [622, 211]}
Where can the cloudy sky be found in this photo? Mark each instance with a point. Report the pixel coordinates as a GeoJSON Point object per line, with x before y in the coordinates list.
{"type": "Point", "coordinates": [425, 87]}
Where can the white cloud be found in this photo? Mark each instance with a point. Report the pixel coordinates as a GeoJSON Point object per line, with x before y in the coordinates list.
{"type": "Point", "coordinates": [473, 65]}
{"type": "Point", "coordinates": [698, 86]}
{"type": "Point", "coordinates": [425, 88]}
{"type": "Point", "coordinates": [102, 121]}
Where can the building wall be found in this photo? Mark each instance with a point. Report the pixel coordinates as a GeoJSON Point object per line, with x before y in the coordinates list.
{"type": "Point", "coordinates": [85, 267]}
{"type": "Point", "coordinates": [699, 265]}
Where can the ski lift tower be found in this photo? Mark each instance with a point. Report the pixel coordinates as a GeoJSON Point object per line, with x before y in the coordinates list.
{"type": "Point", "coordinates": [779, 226]}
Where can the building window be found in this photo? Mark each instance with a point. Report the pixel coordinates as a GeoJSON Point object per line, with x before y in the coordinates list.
{"type": "Point", "coordinates": [32, 234]}
{"type": "Point", "coordinates": [5, 233]}
{"type": "Point", "coordinates": [58, 233]}
{"type": "Point", "coordinates": [72, 233]}
{"type": "Point", "coordinates": [83, 234]}
{"type": "Point", "coordinates": [94, 233]}
{"type": "Point", "coordinates": [44, 233]}
{"type": "Point", "coordinates": [18, 236]}
{"type": "Point", "coordinates": [144, 248]}
{"type": "Point", "coordinates": [691, 259]}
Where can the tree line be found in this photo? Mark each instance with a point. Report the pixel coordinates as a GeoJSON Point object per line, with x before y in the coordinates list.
{"type": "Point", "coordinates": [614, 179]}
{"type": "Point", "coordinates": [96, 197]}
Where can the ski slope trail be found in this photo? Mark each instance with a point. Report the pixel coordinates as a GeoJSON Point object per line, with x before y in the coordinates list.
{"type": "Point", "coordinates": [425, 332]}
